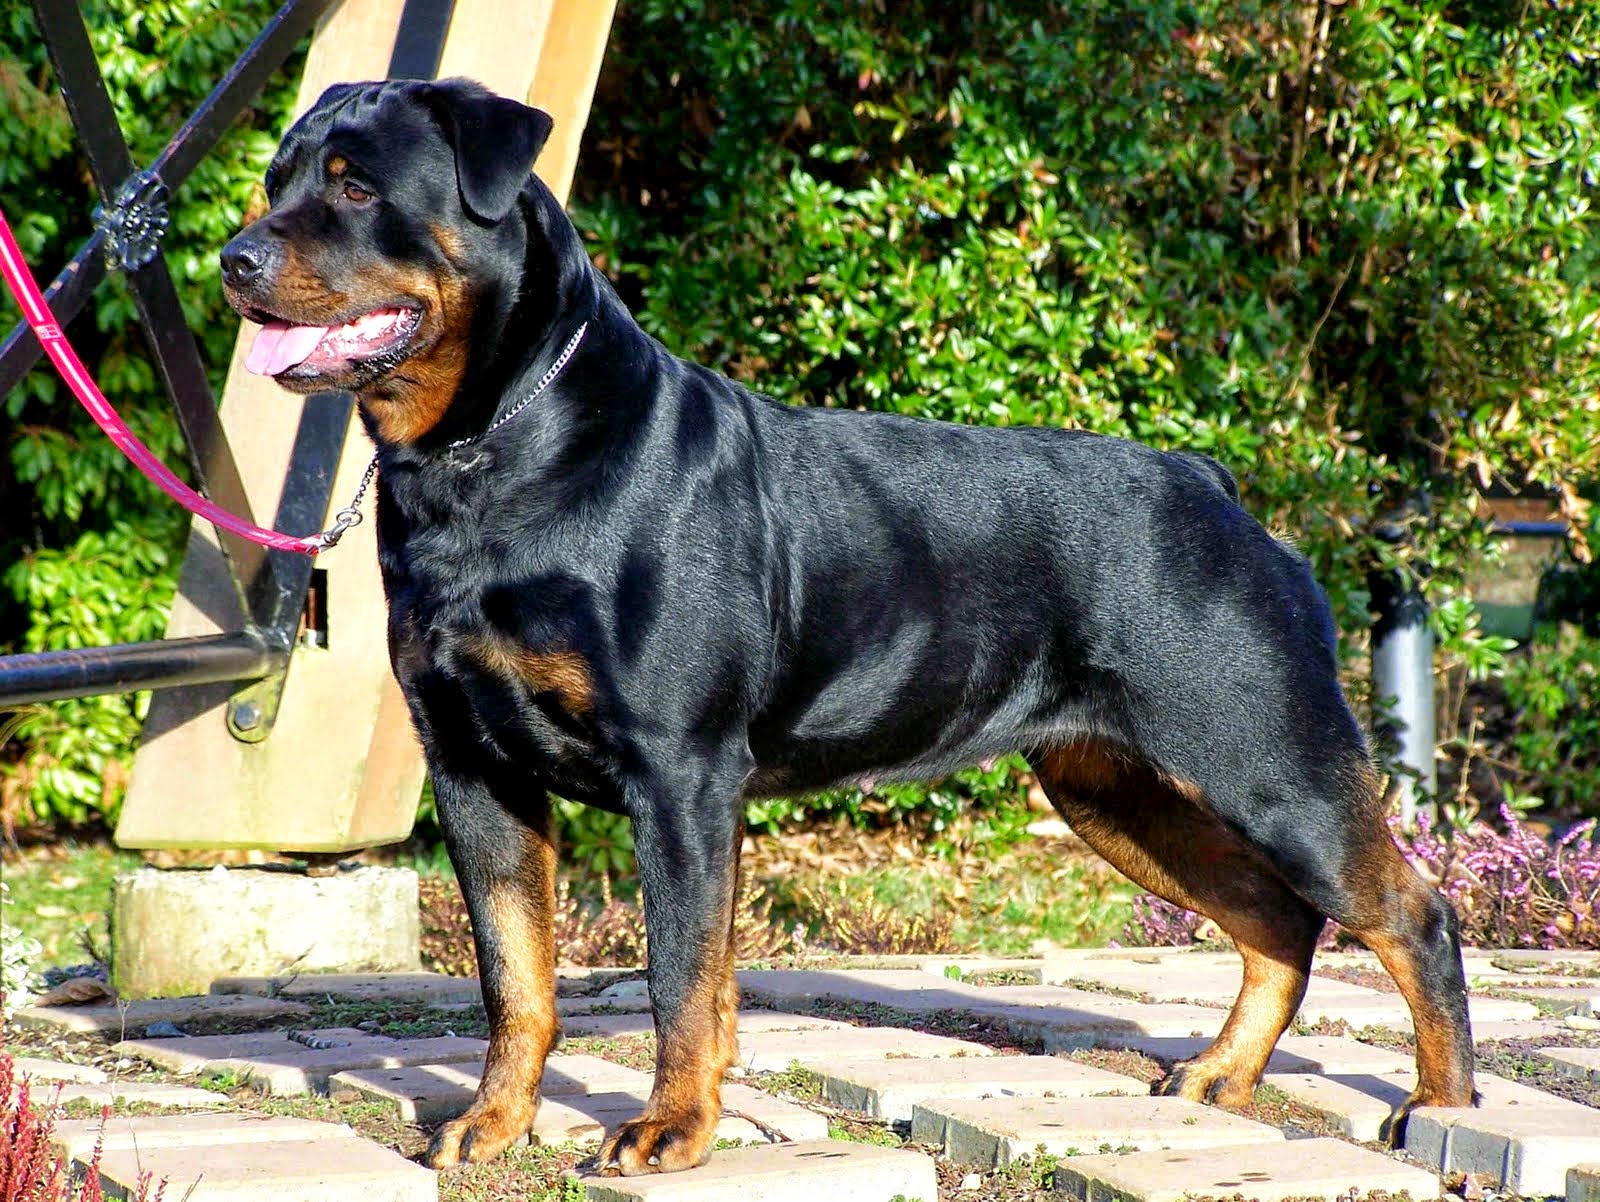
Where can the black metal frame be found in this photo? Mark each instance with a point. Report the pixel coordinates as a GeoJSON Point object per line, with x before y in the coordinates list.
{"type": "Point", "coordinates": [271, 586]}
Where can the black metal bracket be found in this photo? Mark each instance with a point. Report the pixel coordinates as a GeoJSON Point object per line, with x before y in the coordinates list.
{"type": "Point", "coordinates": [135, 222]}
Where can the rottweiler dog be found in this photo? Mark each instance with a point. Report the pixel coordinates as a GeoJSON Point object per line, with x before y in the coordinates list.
{"type": "Point", "coordinates": [618, 577]}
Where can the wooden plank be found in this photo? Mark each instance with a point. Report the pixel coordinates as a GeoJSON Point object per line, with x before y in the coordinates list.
{"type": "Point", "coordinates": [569, 64]}
{"type": "Point", "coordinates": [342, 768]}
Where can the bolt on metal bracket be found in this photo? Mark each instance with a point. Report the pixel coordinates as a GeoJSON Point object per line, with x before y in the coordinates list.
{"type": "Point", "coordinates": [135, 222]}
{"type": "Point", "coordinates": [253, 710]}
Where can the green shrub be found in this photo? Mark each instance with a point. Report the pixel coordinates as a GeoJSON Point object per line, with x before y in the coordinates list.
{"type": "Point", "coordinates": [1345, 249]}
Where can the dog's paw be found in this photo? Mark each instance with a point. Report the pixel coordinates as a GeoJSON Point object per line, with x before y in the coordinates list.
{"type": "Point", "coordinates": [480, 1134]}
{"type": "Point", "coordinates": [1393, 1129]}
{"type": "Point", "coordinates": [658, 1145]}
{"type": "Point", "coordinates": [1199, 1081]}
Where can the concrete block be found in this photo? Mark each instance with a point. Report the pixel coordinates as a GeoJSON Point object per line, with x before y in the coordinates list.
{"type": "Point", "coordinates": [54, 1070]}
{"type": "Point", "coordinates": [775, 1051]}
{"type": "Point", "coordinates": [308, 1070]}
{"type": "Point", "coordinates": [749, 1115]}
{"type": "Point", "coordinates": [1307, 1168]}
{"type": "Point", "coordinates": [74, 1139]}
{"type": "Point", "coordinates": [890, 1089]}
{"type": "Point", "coordinates": [300, 1062]}
{"type": "Point", "coordinates": [428, 1094]}
{"type": "Point", "coordinates": [422, 988]}
{"type": "Point", "coordinates": [176, 931]}
{"type": "Point", "coordinates": [1583, 1063]}
{"type": "Point", "coordinates": [1528, 1150]}
{"type": "Point", "coordinates": [316, 1170]}
{"type": "Point", "coordinates": [992, 1132]}
{"type": "Point", "coordinates": [192, 1053]}
{"type": "Point", "coordinates": [1583, 1183]}
{"type": "Point", "coordinates": [129, 1019]}
{"type": "Point", "coordinates": [797, 1172]}
{"type": "Point", "coordinates": [578, 1021]}
{"type": "Point", "coordinates": [143, 1093]}
{"type": "Point", "coordinates": [1583, 1000]}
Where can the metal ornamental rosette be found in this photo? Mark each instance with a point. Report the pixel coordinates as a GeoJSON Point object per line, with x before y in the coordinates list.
{"type": "Point", "coordinates": [136, 221]}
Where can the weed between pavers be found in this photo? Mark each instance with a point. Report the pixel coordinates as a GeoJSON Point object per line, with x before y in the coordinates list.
{"type": "Point", "coordinates": [863, 1131]}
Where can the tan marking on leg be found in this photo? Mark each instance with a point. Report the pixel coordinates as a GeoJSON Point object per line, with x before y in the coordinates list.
{"type": "Point", "coordinates": [544, 670]}
{"type": "Point", "coordinates": [679, 1122]}
{"type": "Point", "coordinates": [1392, 923]}
{"type": "Point", "coordinates": [1161, 832]}
{"type": "Point", "coordinates": [520, 997]}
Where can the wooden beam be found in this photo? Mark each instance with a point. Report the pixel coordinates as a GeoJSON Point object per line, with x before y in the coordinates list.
{"type": "Point", "coordinates": [342, 768]}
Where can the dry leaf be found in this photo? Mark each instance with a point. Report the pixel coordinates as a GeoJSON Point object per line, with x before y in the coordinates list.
{"type": "Point", "coordinates": [77, 991]}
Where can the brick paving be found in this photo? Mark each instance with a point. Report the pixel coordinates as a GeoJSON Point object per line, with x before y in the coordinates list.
{"type": "Point", "coordinates": [992, 1132]}
{"type": "Point", "coordinates": [888, 1090]}
{"type": "Point", "coordinates": [978, 1104]}
{"type": "Point", "coordinates": [797, 1172]}
{"type": "Point", "coordinates": [1311, 1168]}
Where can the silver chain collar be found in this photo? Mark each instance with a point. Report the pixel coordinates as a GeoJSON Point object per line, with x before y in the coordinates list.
{"type": "Point", "coordinates": [350, 515]}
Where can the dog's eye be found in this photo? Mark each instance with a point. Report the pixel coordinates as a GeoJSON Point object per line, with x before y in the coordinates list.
{"type": "Point", "coordinates": [356, 194]}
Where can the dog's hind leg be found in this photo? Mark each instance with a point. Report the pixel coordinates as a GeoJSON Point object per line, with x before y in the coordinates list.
{"type": "Point", "coordinates": [1161, 833]}
{"type": "Point", "coordinates": [1382, 900]}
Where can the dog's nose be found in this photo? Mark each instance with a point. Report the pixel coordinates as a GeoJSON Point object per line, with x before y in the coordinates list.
{"type": "Point", "coordinates": [243, 261]}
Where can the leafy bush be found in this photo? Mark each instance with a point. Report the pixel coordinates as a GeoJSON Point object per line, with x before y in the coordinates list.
{"type": "Point", "coordinates": [18, 952]}
{"type": "Point", "coordinates": [1345, 249]}
{"type": "Point", "coordinates": [1511, 887]}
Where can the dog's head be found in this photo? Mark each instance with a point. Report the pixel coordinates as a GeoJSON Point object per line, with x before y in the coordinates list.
{"type": "Point", "coordinates": [384, 229]}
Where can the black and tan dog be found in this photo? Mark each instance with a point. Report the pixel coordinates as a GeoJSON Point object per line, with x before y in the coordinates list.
{"type": "Point", "coordinates": [618, 577]}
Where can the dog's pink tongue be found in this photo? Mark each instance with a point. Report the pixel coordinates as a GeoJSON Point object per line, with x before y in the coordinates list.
{"type": "Point", "coordinates": [279, 346]}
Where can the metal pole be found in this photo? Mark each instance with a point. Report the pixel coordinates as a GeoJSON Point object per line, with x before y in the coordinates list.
{"type": "Point", "coordinates": [1402, 684]}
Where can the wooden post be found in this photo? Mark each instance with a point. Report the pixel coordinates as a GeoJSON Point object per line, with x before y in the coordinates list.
{"type": "Point", "coordinates": [342, 768]}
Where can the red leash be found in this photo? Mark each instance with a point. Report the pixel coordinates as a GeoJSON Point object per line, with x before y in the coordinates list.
{"type": "Point", "coordinates": [26, 290]}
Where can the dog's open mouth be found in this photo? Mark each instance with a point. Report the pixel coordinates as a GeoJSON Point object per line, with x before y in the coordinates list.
{"type": "Point", "coordinates": [282, 346]}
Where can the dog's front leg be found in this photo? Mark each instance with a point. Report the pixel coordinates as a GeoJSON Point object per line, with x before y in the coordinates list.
{"type": "Point", "coordinates": [686, 834]}
{"type": "Point", "coordinates": [506, 865]}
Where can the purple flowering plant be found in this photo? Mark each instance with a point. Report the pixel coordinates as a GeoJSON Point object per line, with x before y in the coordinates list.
{"type": "Point", "coordinates": [1511, 887]}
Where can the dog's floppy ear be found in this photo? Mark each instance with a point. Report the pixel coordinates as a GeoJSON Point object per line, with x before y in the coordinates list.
{"type": "Point", "coordinates": [495, 140]}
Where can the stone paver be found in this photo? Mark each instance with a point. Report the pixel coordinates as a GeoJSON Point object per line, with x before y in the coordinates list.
{"type": "Point", "coordinates": [424, 988]}
{"type": "Point", "coordinates": [1562, 999]}
{"type": "Point", "coordinates": [751, 1022]}
{"type": "Point", "coordinates": [74, 1139]}
{"type": "Point", "coordinates": [1358, 1103]}
{"type": "Point", "coordinates": [431, 989]}
{"type": "Point", "coordinates": [303, 1063]}
{"type": "Point", "coordinates": [1583, 1183]}
{"type": "Point", "coordinates": [1307, 1168]}
{"type": "Point", "coordinates": [144, 1093]}
{"type": "Point", "coordinates": [992, 1132]}
{"type": "Point", "coordinates": [749, 1115]}
{"type": "Point", "coordinates": [319, 1170]}
{"type": "Point", "coordinates": [797, 1172]}
{"type": "Point", "coordinates": [1575, 1062]}
{"type": "Point", "coordinates": [1294, 1053]}
{"type": "Point", "coordinates": [890, 1089]}
{"type": "Point", "coordinates": [55, 1070]}
{"type": "Point", "coordinates": [428, 1094]}
{"type": "Point", "coordinates": [133, 1017]}
{"type": "Point", "coordinates": [775, 1051]}
{"type": "Point", "coordinates": [191, 1053]}
{"type": "Point", "coordinates": [308, 1070]}
{"type": "Point", "coordinates": [1527, 1149]}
